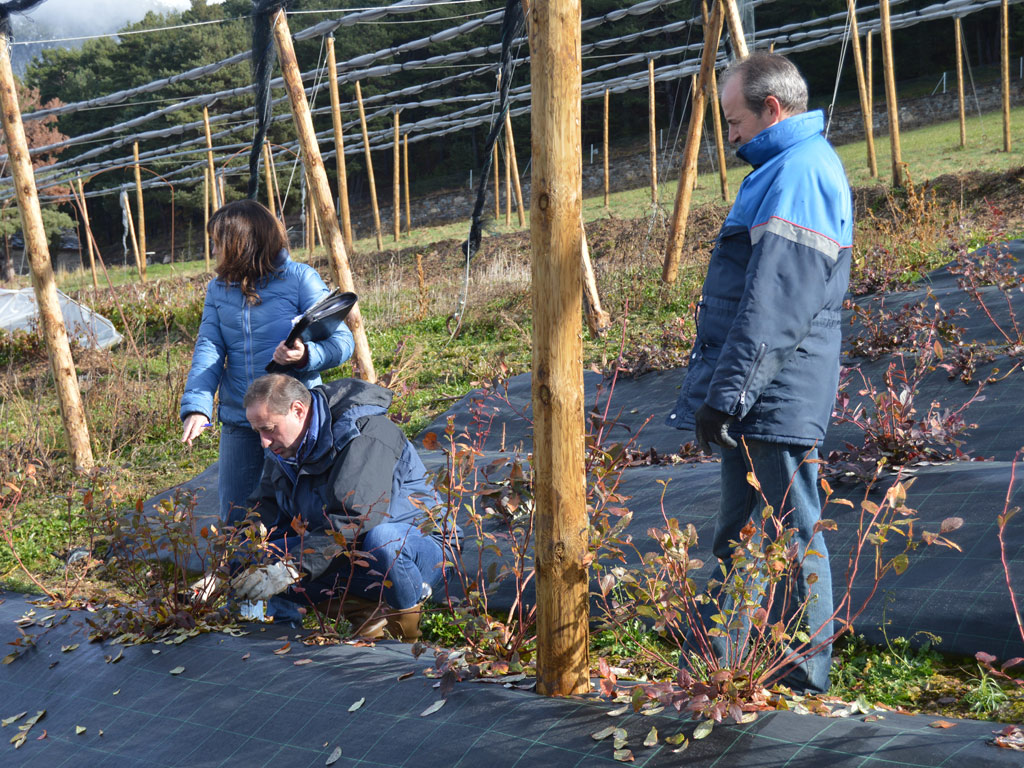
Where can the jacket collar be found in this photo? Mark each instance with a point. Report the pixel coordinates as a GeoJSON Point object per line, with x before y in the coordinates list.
{"type": "Point", "coordinates": [781, 136]}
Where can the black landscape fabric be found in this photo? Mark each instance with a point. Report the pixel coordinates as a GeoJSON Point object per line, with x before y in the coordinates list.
{"type": "Point", "coordinates": [218, 700]}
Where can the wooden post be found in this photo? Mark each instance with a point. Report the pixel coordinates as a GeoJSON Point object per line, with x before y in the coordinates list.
{"type": "Point", "coordinates": [653, 128]}
{"type": "Point", "coordinates": [396, 186]}
{"type": "Point", "coordinates": [870, 72]}
{"type": "Point", "coordinates": [88, 240]}
{"type": "Point", "coordinates": [511, 158]}
{"type": "Point", "coordinates": [604, 147]}
{"type": "Point", "coordinates": [339, 145]}
{"type": "Point", "coordinates": [739, 40]}
{"type": "Point", "coordinates": [268, 172]}
{"type": "Point", "coordinates": [209, 161]}
{"type": "Point", "coordinates": [858, 64]}
{"type": "Point", "coordinates": [369, 167]}
{"type": "Point", "coordinates": [206, 217]}
{"type": "Point", "coordinates": [132, 238]}
{"type": "Point", "coordinates": [688, 170]}
{"type": "Point", "coordinates": [54, 331]}
{"type": "Point", "coordinates": [558, 448]}
{"type": "Point", "coordinates": [1004, 34]}
{"type": "Point", "coordinates": [960, 81]}
{"type": "Point", "coordinates": [405, 173]}
{"type": "Point", "coordinates": [508, 182]}
{"type": "Point", "coordinates": [890, 95]}
{"type": "Point", "coordinates": [497, 185]}
{"type": "Point", "coordinates": [308, 216]}
{"type": "Point", "coordinates": [277, 186]}
{"type": "Point", "coordinates": [716, 120]}
{"type": "Point", "coordinates": [321, 192]}
{"type": "Point", "coordinates": [141, 208]}
{"type": "Point", "coordinates": [597, 319]}
{"type": "Point", "coordinates": [222, 189]}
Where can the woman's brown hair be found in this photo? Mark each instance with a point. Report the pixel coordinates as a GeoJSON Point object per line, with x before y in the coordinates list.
{"type": "Point", "coordinates": [250, 238]}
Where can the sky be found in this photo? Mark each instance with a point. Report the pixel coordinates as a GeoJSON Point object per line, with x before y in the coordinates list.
{"type": "Point", "coordinates": [85, 17]}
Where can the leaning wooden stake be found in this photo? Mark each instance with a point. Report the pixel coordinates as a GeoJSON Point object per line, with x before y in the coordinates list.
{"type": "Point", "coordinates": [653, 128]}
{"type": "Point", "coordinates": [497, 185]}
{"type": "Point", "coordinates": [511, 158]}
{"type": "Point", "coordinates": [870, 77]}
{"type": "Point", "coordinates": [396, 185]}
{"type": "Point", "coordinates": [1004, 57]}
{"type": "Point", "coordinates": [890, 95]}
{"type": "Point", "coordinates": [688, 171]}
{"type": "Point", "coordinates": [206, 217]}
{"type": "Point", "coordinates": [369, 167]}
{"type": "Point", "coordinates": [141, 208]}
{"type": "Point", "coordinates": [405, 185]}
{"type": "Point", "coordinates": [558, 448]}
{"type": "Point", "coordinates": [88, 240]}
{"type": "Point", "coordinates": [132, 237]}
{"type": "Point", "coordinates": [597, 319]}
{"type": "Point", "coordinates": [339, 145]}
{"type": "Point", "coordinates": [54, 331]}
{"type": "Point", "coordinates": [862, 89]}
{"type": "Point", "coordinates": [268, 173]}
{"type": "Point", "coordinates": [736, 35]}
{"type": "Point", "coordinates": [716, 120]}
{"type": "Point", "coordinates": [508, 184]}
{"type": "Point", "coordinates": [604, 147]}
{"type": "Point", "coordinates": [321, 191]}
{"type": "Point", "coordinates": [960, 82]}
{"type": "Point", "coordinates": [209, 160]}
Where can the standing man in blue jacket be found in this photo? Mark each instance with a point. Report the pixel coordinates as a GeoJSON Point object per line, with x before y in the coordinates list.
{"type": "Point", "coordinates": [344, 497]}
{"type": "Point", "coordinates": [763, 373]}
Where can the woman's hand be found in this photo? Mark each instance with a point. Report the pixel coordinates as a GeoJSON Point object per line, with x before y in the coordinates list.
{"type": "Point", "coordinates": [297, 354]}
{"type": "Point", "coordinates": [193, 426]}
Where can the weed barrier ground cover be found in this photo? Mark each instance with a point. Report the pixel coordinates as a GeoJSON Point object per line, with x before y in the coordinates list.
{"type": "Point", "coordinates": [221, 700]}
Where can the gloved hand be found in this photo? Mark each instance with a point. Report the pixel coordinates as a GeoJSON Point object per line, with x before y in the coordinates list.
{"type": "Point", "coordinates": [202, 590]}
{"type": "Point", "coordinates": [713, 427]}
{"type": "Point", "coordinates": [264, 582]}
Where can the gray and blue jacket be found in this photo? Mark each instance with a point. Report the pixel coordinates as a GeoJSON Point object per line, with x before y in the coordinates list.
{"type": "Point", "coordinates": [237, 339]}
{"type": "Point", "coordinates": [768, 323]}
{"type": "Point", "coordinates": [353, 470]}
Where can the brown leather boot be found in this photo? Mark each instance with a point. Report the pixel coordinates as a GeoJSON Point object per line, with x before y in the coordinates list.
{"type": "Point", "coordinates": [404, 624]}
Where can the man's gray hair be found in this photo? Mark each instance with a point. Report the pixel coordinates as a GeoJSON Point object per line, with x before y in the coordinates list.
{"type": "Point", "coordinates": [278, 391]}
{"type": "Point", "coordinates": [769, 74]}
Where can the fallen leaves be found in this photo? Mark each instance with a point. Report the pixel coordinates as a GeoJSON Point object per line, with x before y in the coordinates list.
{"type": "Point", "coordinates": [941, 724]}
{"type": "Point", "coordinates": [335, 756]}
{"type": "Point", "coordinates": [703, 729]}
{"type": "Point", "coordinates": [283, 649]}
{"type": "Point", "coordinates": [1011, 737]}
{"type": "Point", "coordinates": [23, 729]}
{"type": "Point", "coordinates": [433, 708]}
{"type": "Point", "coordinates": [176, 671]}
{"type": "Point", "coordinates": [356, 705]}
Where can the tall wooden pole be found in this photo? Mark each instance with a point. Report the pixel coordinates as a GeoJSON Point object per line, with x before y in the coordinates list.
{"type": "Point", "coordinates": [497, 185]}
{"type": "Point", "coordinates": [132, 237]}
{"type": "Point", "coordinates": [405, 185]}
{"type": "Point", "coordinates": [339, 145]}
{"type": "Point", "coordinates": [508, 183]}
{"type": "Point", "coordinates": [653, 128]}
{"type": "Point", "coordinates": [88, 240]}
{"type": "Point", "coordinates": [604, 147]}
{"type": "Point", "coordinates": [862, 90]}
{"type": "Point", "coordinates": [396, 176]}
{"type": "Point", "coordinates": [54, 332]}
{"type": "Point", "coordinates": [716, 120]}
{"type": "Point", "coordinates": [141, 208]}
{"type": "Point", "coordinates": [870, 72]}
{"type": "Point", "coordinates": [890, 95]}
{"type": "Point", "coordinates": [1004, 29]}
{"type": "Point", "coordinates": [558, 448]}
{"type": "Point", "coordinates": [960, 81]}
{"type": "Point", "coordinates": [688, 171]}
{"type": "Point", "coordinates": [736, 35]}
{"type": "Point", "coordinates": [222, 189]}
{"type": "Point", "coordinates": [269, 173]}
{"type": "Point", "coordinates": [369, 167]}
{"type": "Point", "coordinates": [514, 165]}
{"type": "Point", "coordinates": [209, 160]}
{"type": "Point", "coordinates": [316, 175]}
{"type": "Point", "coordinates": [206, 217]}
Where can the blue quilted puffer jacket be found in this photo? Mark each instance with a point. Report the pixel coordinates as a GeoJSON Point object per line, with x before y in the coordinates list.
{"type": "Point", "coordinates": [768, 324]}
{"type": "Point", "coordinates": [237, 339]}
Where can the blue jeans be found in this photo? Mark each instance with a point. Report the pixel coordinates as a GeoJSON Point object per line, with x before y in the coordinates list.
{"type": "Point", "coordinates": [404, 568]}
{"type": "Point", "coordinates": [239, 466]}
{"type": "Point", "coordinates": [789, 481]}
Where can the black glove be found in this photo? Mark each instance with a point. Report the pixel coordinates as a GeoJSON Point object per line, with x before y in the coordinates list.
{"type": "Point", "coordinates": [713, 427]}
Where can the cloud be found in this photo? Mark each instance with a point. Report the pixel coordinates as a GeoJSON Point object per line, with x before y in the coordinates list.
{"type": "Point", "coordinates": [92, 17]}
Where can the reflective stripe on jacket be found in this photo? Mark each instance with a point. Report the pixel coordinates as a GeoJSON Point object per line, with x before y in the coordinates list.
{"type": "Point", "coordinates": [768, 324]}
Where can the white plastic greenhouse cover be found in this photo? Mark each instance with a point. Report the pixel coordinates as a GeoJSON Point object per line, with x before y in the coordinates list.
{"type": "Point", "coordinates": [18, 311]}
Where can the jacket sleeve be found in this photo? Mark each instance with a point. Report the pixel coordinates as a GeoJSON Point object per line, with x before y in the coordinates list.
{"type": "Point", "coordinates": [207, 363]}
{"type": "Point", "coordinates": [786, 281]}
{"type": "Point", "coordinates": [330, 352]}
{"type": "Point", "coordinates": [362, 480]}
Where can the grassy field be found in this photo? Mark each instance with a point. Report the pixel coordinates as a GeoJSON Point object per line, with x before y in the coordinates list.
{"type": "Point", "coordinates": [131, 393]}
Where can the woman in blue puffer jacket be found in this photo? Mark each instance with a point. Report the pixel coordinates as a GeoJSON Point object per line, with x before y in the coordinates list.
{"type": "Point", "coordinates": [249, 309]}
